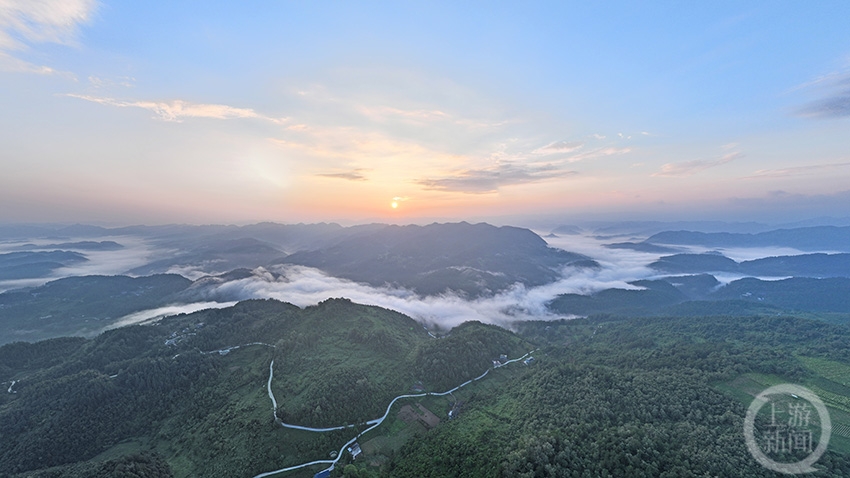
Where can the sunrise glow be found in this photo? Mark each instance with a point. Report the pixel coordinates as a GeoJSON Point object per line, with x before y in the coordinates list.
{"type": "Point", "coordinates": [668, 111]}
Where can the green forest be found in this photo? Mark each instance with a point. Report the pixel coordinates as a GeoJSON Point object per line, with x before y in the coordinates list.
{"type": "Point", "coordinates": [604, 396]}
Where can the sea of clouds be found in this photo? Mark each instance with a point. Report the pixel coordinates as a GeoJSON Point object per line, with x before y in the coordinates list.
{"type": "Point", "coordinates": [304, 286]}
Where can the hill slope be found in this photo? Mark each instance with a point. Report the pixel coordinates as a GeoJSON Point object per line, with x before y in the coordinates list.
{"type": "Point", "coordinates": [184, 390]}
{"type": "Point", "coordinates": [81, 305]}
{"type": "Point", "coordinates": [475, 259]}
{"type": "Point", "coordinates": [637, 397]}
{"type": "Point", "coordinates": [804, 238]}
{"type": "Point", "coordinates": [803, 265]}
{"type": "Point", "coordinates": [702, 295]}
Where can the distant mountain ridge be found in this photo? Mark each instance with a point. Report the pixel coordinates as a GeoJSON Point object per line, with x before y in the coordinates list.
{"type": "Point", "coordinates": [476, 259]}
{"type": "Point", "coordinates": [472, 259]}
{"type": "Point", "coordinates": [81, 245]}
{"type": "Point", "coordinates": [804, 265]}
{"type": "Point", "coordinates": [817, 238]}
{"type": "Point", "coordinates": [30, 264]}
{"type": "Point", "coordinates": [703, 295]}
{"type": "Point", "coordinates": [469, 259]}
{"type": "Point", "coordinates": [82, 305]}
{"type": "Point", "coordinates": [641, 247]}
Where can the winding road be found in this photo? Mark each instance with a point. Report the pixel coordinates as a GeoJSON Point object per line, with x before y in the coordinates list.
{"type": "Point", "coordinates": [374, 423]}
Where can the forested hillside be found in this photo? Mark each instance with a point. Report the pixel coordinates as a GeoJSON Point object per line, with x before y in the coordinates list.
{"type": "Point", "coordinates": [702, 294]}
{"type": "Point", "coordinates": [634, 397]}
{"type": "Point", "coordinates": [472, 259]}
{"type": "Point", "coordinates": [604, 396]}
{"type": "Point", "coordinates": [81, 305]}
{"type": "Point", "coordinates": [192, 388]}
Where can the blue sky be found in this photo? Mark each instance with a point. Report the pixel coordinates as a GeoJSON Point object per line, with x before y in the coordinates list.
{"type": "Point", "coordinates": [156, 112]}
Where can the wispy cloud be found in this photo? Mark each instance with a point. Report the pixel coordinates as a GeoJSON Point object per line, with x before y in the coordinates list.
{"type": "Point", "coordinates": [27, 22]}
{"type": "Point", "coordinates": [599, 153]}
{"type": "Point", "coordinates": [480, 181]}
{"type": "Point", "coordinates": [124, 81]}
{"type": "Point", "coordinates": [834, 106]}
{"type": "Point", "coordinates": [385, 112]}
{"type": "Point", "coordinates": [178, 110]}
{"type": "Point", "coordinates": [353, 175]}
{"type": "Point", "coordinates": [335, 147]}
{"type": "Point", "coordinates": [574, 151]}
{"type": "Point", "coordinates": [424, 116]}
{"type": "Point", "coordinates": [560, 147]}
{"type": "Point", "coordinates": [796, 171]}
{"type": "Point", "coordinates": [42, 21]}
{"type": "Point", "coordinates": [688, 168]}
{"type": "Point", "coordinates": [16, 65]}
{"type": "Point", "coordinates": [834, 102]}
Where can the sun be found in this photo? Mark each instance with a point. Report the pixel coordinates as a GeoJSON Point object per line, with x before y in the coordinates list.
{"type": "Point", "coordinates": [394, 205]}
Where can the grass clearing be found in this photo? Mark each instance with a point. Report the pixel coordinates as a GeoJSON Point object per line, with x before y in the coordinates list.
{"type": "Point", "coordinates": [835, 371]}
{"type": "Point", "coordinates": [831, 383]}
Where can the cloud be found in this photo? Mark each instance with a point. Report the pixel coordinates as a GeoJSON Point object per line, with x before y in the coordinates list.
{"type": "Point", "coordinates": [574, 151]}
{"type": "Point", "coordinates": [383, 113]}
{"type": "Point", "coordinates": [335, 146]}
{"type": "Point", "coordinates": [796, 171]}
{"type": "Point", "coordinates": [135, 253]}
{"type": "Point", "coordinates": [688, 168]}
{"type": "Point", "coordinates": [349, 175]}
{"type": "Point", "coordinates": [16, 65]}
{"type": "Point", "coordinates": [479, 181]}
{"type": "Point", "coordinates": [304, 286]}
{"type": "Point", "coordinates": [834, 90]}
{"type": "Point", "coordinates": [123, 81]}
{"type": "Point", "coordinates": [27, 22]}
{"type": "Point", "coordinates": [177, 110]}
{"type": "Point", "coordinates": [427, 115]}
{"type": "Point", "coordinates": [560, 147]}
{"type": "Point", "coordinates": [42, 21]}
{"type": "Point", "coordinates": [152, 315]}
{"type": "Point", "coordinates": [834, 106]}
{"type": "Point", "coordinates": [599, 153]}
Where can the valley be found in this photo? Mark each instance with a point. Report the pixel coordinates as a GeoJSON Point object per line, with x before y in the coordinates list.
{"type": "Point", "coordinates": [672, 353]}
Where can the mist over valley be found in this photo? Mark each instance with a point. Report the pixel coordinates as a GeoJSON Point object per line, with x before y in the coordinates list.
{"type": "Point", "coordinates": [440, 274]}
{"type": "Point", "coordinates": [424, 239]}
{"type": "Point", "coordinates": [455, 321]}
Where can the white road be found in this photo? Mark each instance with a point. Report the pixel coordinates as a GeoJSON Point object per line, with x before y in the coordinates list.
{"type": "Point", "coordinates": [374, 423]}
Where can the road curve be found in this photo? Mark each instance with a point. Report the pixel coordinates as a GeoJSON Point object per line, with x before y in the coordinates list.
{"type": "Point", "coordinates": [375, 423]}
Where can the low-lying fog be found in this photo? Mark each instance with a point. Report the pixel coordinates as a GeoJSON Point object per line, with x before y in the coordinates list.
{"type": "Point", "coordinates": [305, 286]}
{"type": "Point", "coordinates": [136, 252]}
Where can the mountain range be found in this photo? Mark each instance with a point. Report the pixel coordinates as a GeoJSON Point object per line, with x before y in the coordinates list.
{"type": "Point", "coordinates": [816, 238]}
{"type": "Point", "coordinates": [803, 265]}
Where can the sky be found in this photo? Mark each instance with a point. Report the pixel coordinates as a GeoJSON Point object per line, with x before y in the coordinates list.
{"type": "Point", "coordinates": [237, 112]}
